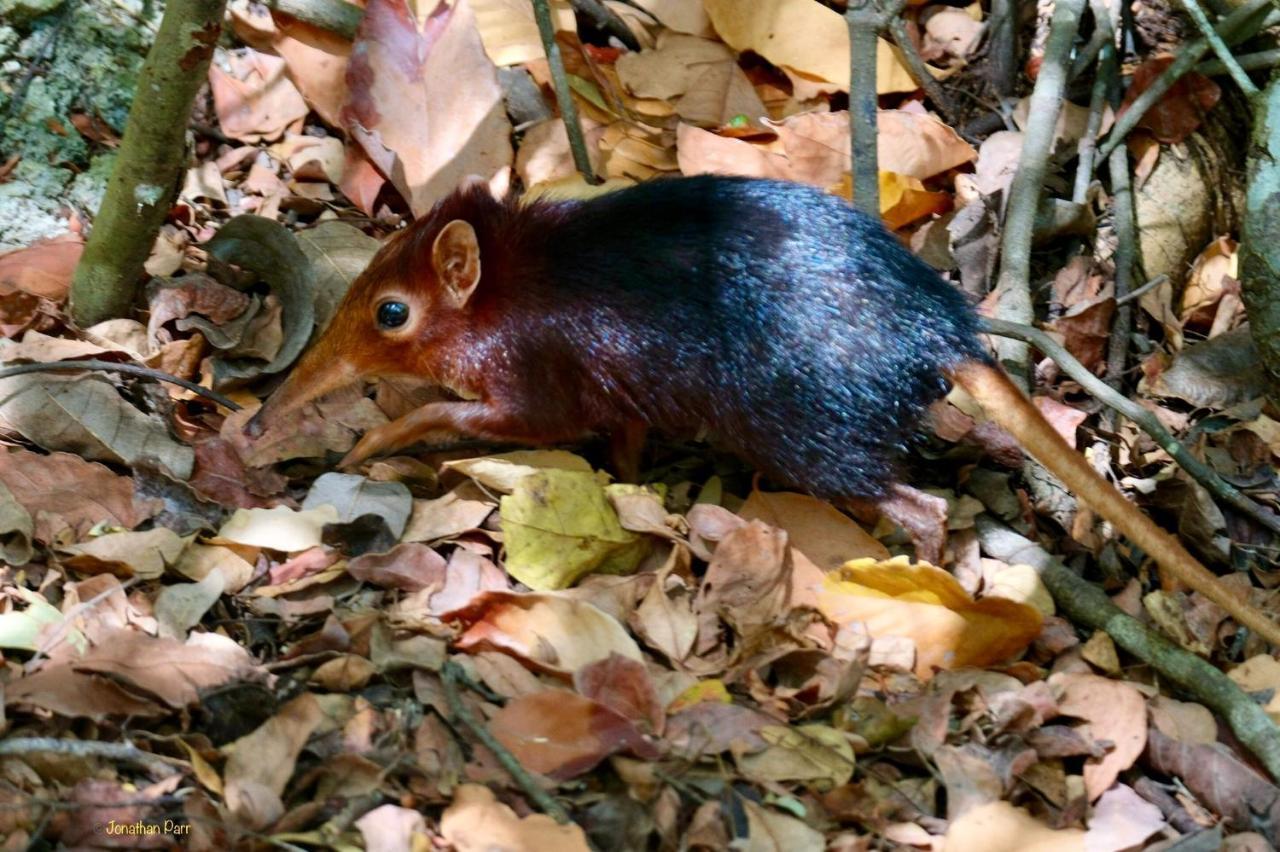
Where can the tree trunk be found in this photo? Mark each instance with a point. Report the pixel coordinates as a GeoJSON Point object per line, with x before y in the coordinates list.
{"type": "Point", "coordinates": [150, 164]}
{"type": "Point", "coordinates": [1259, 249]}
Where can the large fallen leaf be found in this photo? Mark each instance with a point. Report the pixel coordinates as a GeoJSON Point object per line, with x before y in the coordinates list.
{"type": "Point", "coordinates": [823, 533]}
{"type": "Point", "coordinates": [559, 525]}
{"type": "Point", "coordinates": [43, 268]}
{"type": "Point", "coordinates": [928, 606]}
{"type": "Point", "coordinates": [86, 415]}
{"type": "Point", "coordinates": [316, 62]}
{"type": "Point", "coordinates": [353, 496]}
{"type": "Point", "coordinates": [445, 517]}
{"type": "Point", "coordinates": [260, 764]}
{"type": "Point", "coordinates": [269, 250]}
{"type": "Point", "coordinates": [805, 37]}
{"type": "Point", "coordinates": [701, 76]}
{"type": "Point", "coordinates": [556, 634]}
{"type": "Point", "coordinates": [66, 496]}
{"type": "Point", "coordinates": [168, 671]}
{"type": "Point", "coordinates": [563, 735]}
{"type": "Point", "coordinates": [23, 629]}
{"type": "Point", "coordinates": [477, 822]}
{"type": "Point", "coordinates": [919, 144]}
{"type": "Point", "coordinates": [1115, 711]}
{"type": "Point", "coordinates": [144, 555]}
{"type": "Point", "coordinates": [425, 101]}
{"type": "Point", "coordinates": [252, 96]}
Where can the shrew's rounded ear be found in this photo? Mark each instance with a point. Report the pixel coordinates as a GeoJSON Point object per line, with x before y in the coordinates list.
{"type": "Point", "coordinates": [456, 258]}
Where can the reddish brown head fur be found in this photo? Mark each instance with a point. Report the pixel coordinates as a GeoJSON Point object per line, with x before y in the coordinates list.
{"type": "Point", "coordinates": [399, 317]}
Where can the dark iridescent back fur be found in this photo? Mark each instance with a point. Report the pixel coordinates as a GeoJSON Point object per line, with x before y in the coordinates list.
{"type": "Point", "coordinates": [795, 328]}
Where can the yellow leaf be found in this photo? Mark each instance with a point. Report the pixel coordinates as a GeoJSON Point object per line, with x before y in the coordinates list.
{"type": "Point", "coordinates": [904, 199]}
{"type": "Point", "coordinates": [703, 690]}
{"type": "Point", "coordinates": [559, 525]}
{"type": "Point", "coordinates": [928, 606]}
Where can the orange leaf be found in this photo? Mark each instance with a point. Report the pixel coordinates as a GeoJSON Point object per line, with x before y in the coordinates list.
{"type": "Point", "coordinates": [927, 605]}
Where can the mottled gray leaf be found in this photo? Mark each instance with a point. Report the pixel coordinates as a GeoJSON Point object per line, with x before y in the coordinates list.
{"type": "Point", "coordinates": [338, 252]}
{"type": "Point", "coordinates": [354, 496]}
{"type": "Point", "coordinates": [87, 416]}
{"type": "Point", "coordinates": [269, 250]}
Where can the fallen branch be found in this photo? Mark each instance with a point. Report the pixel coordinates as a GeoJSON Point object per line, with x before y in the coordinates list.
{"type": "Point", "coordinates": [118, 752]}
{"type": "Point", "coordinates": [451, 675]}
{"type": "Point", "coordinates": [1013, 289]}
{"type": "Point", "coordinates": [1142, 418]}
{"type": "Point", "coordinates": [1087, 605]}
{"type": "Point", "coordinates": [112, 367]}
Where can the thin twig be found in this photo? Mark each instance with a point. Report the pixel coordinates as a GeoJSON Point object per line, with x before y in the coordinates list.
{"type": "Point", "coordinates": [1013, 289]}
{"type": "Point", "coordinates": [1141, 291]}
{"type": "Point", "coordinates": [1240, 24]}
{"type": "Point", "coordinates": [864, 21]}
{"type": "Point", "coordinates": [1142, 418]}
{"type": "Point", "coordinates": [122, 752]}
{"type": "Point", "coordinates": [1219, 47]}
{"type": "Point", "coordinates": [1087, 605]}
{"type": "Point", "coordinates": [564, 94]}
{"type": "Point", "coordinates": [451, 675]}
{"type": "Point", "coordinates": [1089, 142]}
{"type": "Point", "coordinates": [919, 70]}
{"type": "Point", "coordinates": [111, 367]}
{"type": "Point", "coordinates": [1126, 228]}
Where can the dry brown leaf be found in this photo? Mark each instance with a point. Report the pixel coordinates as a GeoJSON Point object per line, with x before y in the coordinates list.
{"type": "Point", "coordinates": [563, 735]}
{"type": "Point", "coordinates": [67, 496]}
{"type": "Point", "coordinates": [425, 101]}
{"type": "Point", "coordinates": [1181, 109]}
{"type": "Point", "coordinates": [143, 555]}
{"type": "Point", "coordinates": [129, 663]}
{"type": "Point", "coordinates": [804, 37]}
{"type": "Point", "coordinates": [477, 822]}
{"type": "Point", "coordinates": [253, 97]}
{"type": "Point", "coordinates": [43, 268]}
{"type": "Point", "coordinates": [823, 533]}
{"type": "Point", "coordinates": [550, 631]}
{"type": "Point", "coordinates": [316, 61]}
{"type": "Point", "coordinates": [260, 764]}
{"type": "Point", "coordinates": [510, 33]}
{"type": "Point", "coordinates": [1115, 711]}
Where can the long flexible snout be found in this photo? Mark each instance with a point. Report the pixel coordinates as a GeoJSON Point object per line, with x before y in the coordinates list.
{"type": "Point", "coordinates": [314, 376]}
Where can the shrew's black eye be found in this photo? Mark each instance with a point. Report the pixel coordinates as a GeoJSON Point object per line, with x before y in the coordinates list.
{"type": "Point", "coordinates": [392, 314]}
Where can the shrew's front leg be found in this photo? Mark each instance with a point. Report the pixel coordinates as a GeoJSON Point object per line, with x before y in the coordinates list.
{"type": "Point", "coordinates": [471, 419]}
